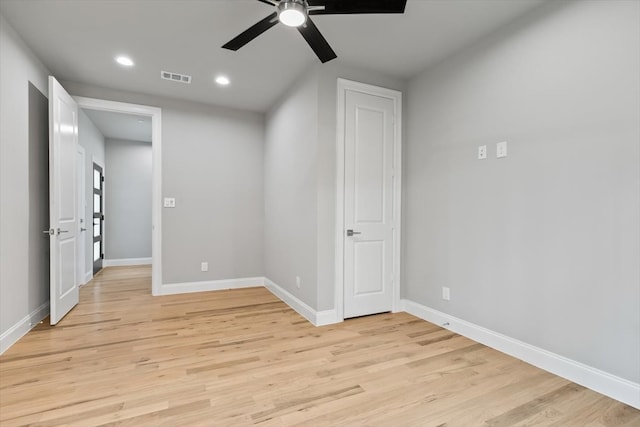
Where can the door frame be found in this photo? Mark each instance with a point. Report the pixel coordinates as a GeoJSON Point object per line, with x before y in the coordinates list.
{"type": "Point", "coordinates": [156, 180]}
{"type": "Point", "coordinates": [396, 96]}
{"type": "Point", "coordinates": [82, 213]}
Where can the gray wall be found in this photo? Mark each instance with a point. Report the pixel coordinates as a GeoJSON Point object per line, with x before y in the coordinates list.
{"type": "Point", "coordinates": [542, 246]}
{"type": "Point", "coordinates": [23, 281]}
{"type": "Point", "coordinates": [127, 199]}
{"type": "Point", "coordinates": [212, 165]}
{"type": "Point", "coordinates": [290, 190]}
{"type": "Point", "coordinates": [90, 138]}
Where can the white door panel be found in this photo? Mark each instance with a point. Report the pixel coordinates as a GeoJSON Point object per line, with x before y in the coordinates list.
{"type": "Point", "coordinates": [368, 204]}
{"type": "Point", "coordinates": [368, 268]}
{"type": "Point", "coordinates": [63, 141]}
{"type": "Point", "coordinates": [369, 156]}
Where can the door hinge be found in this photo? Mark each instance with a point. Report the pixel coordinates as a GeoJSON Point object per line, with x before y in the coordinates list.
{"type": "Point", "coordinates": [102, 178]}
{"type": "Point", "coordinates": [101, 256]}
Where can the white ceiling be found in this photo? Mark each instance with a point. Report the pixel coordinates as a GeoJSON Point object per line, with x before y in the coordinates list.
{"type": "Point", "coordinates": [121, 126]}
{"type": "Point", "coordinates": [78, 40]}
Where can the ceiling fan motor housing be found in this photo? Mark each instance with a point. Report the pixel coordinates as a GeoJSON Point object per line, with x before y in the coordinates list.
{"type": "Point", "coordinates": [292, 13]}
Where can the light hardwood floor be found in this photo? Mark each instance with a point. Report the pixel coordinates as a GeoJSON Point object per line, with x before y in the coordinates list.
{"type": "Point", "coordinates": [242, 357]}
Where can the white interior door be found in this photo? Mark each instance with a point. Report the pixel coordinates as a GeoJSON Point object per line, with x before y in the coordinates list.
{"type": "Point", "coordinates": [63, 142]}
{"type": "Point", "coordinates": [368, 203]}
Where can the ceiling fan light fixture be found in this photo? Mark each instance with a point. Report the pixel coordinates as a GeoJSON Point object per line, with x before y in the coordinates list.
{"type": "Point", "coordinates": [292, 13]}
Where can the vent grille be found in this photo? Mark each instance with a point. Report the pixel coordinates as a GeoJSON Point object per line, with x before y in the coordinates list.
{"type": "Point", "coordinates": [175, 77]}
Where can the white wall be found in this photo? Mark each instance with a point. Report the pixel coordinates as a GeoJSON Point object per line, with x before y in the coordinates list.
{"type": "Point", "coordinates": [542, 246]}
{"type": "Point", "coordinates": [19, 295]}
{"type": "Point", "coordinates": [127, 199]}
{"type": "Point", "coordinates": [212, 165]}
{"type": "Point", "coordinates": [93, 142]}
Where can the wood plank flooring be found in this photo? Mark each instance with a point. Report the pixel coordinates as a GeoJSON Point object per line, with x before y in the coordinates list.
{"type": "Point", "coordinates": [243, 358]}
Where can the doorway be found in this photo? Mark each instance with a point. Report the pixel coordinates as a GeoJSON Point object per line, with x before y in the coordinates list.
{"type": "Point", "coordinates": [155, 115]}
{"type": "Point", "coordinates": [369, 192]}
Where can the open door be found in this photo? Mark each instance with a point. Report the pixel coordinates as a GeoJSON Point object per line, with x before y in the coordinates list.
{"type": "Point", "coordinates": [63, 231]}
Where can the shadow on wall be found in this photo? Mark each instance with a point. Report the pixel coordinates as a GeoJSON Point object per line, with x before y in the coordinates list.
{"type": "Point", "coordinates": [38, 275]}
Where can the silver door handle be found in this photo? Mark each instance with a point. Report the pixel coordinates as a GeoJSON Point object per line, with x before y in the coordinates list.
{"type": "Point", "coordinates": [351, 232]}
{"type": "Point", "coordinates": [83, 229]}
{"type": "Point", "coordinates": [50, 232]}
{"type": "Point", "coordinates": [62, 231]}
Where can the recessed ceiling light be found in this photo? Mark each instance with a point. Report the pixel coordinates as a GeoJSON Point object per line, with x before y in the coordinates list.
{"type": "Point", "coordinates": [124, 60]}
{"type": "Point", "coordinates": [222, 80]}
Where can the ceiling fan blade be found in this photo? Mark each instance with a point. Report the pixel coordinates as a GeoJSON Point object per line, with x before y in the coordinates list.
{"type": "Point", "coordinates": [317, 42]}
{"type": "Point", "coordinates": [335, 7]}
{"type": "Point", "coordinates": [253, 32]}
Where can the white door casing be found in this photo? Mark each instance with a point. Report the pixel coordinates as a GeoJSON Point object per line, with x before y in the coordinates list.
{"type": "Point", "coordinates": [82, 223]}
{"type": "Point", "coordinates": [63, 143]}
{"type": "Point", "coordinates": [369, 141]}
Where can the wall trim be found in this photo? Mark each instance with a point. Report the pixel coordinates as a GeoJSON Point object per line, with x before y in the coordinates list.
{"type": "Point", "coordinates": [88, 276]}
{"type": "Point", "coordinates": [317, 318]}
{"type": "Point", "coordinates": [292, 301]}
{"type": "Point", "coordinates": [210, 285]}
{"type": "Point", "coordinates": [602, 382]}
{"type": "Point", "coordinates": [327, 317]}
{"type": "Point", "coordinates": [20, 329]}
{"type": "Point", "coordinates": [125, 261]}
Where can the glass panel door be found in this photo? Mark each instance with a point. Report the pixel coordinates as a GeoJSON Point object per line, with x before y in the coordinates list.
{"type": "Point", "coordinates": [98, 218]}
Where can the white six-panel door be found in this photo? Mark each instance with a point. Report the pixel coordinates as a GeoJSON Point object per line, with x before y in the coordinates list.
{"type": "Point", "coordinates": [63, 141]}
{"type": "Point", "coordinates": [369, 232]}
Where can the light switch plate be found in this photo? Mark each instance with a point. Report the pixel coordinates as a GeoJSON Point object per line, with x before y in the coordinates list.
{"type": "Point", "coordinates": [169, 202]}
{"type": "Point", "coordinates": [482, 152]}
{"type": "Point", "coordinates": [501, 149]}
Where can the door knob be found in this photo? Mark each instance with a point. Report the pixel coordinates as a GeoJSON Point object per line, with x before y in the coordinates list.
{"type": "Point", "coordinates": [351, 232]}
{"type": "Point", "coordinates": [83, 229]}
{"type": "Point", "coordinates": [62, 231]}
{"type": "Point", "coordinates": [50, 232]}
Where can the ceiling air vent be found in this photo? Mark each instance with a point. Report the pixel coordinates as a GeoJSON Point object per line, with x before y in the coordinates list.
{"type": "Point", "coordinates": [175, 77]}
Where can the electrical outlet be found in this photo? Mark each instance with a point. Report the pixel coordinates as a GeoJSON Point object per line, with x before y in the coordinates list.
{"type": "Point", "coordinates": [501, 149]}
{"type": "Point", "coordinates": [446, 293]}
{"type": "Point", "coordinates": [298, 282]}
{"type": "Point", "coordinates": [482, 152]}
{"type": "Point", "coordinates": [204, 266]}
{"type": "Point", "coordinates": [169, 202]}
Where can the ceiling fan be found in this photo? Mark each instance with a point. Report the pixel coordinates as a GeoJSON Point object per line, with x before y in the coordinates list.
{"type": "Point", "coordinates": [295, 13]}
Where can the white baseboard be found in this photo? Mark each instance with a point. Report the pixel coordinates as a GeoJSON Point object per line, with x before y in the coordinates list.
{"type": "Point", "coordinates": [317, 318]}
{"type": "Point", "coordinates": [610, 385]}
{"type": "Point", "coordinates": [125, 262]}
{"type": "Point", "coordinates": [210, 285]}
{"type": "Point", "coordinates": [88, 276]}
{"type": "Point", "coordinates": [20, 329]}
{"type": "Point", "coordinates": [327, 317]}
{"type": "Point", "coordinates": [294, 302]}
